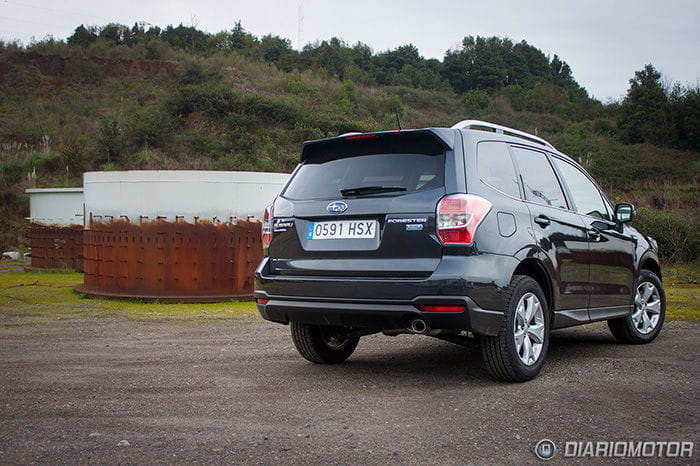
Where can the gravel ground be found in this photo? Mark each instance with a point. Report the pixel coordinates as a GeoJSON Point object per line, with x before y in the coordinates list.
{"type": "Point", "coordinates": [114, 390]}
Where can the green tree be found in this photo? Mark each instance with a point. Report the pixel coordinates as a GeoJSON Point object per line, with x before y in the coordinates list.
{"type": "Point", "coordinates": [240, 39]}
{"type": "Point", "coordinates": [185, 37]}
{"type": "Point", "coordinates": [478, 65]}
{"type": "Point", "coordinates": [109, 139]}
{"type": "Point", "coordinates": [116, 34]}
{"type": "Point", "coordinates": [277, 50]}
{"type": "Point", "coordinates": [82, 36]}
{"type": "Point", "coordinates": [685, 116]}
{"type": "Point", "coordinates": [644, 115]}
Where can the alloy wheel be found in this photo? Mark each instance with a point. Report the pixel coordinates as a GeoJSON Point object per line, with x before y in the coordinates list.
{"type": "Point", "coordinates": [647, 308]}
{"type": "Point", "coordinates": [528, 329]}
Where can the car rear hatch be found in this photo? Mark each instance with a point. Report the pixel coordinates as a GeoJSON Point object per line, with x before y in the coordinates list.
{"type": "Point", "coordinates": [362, 205]}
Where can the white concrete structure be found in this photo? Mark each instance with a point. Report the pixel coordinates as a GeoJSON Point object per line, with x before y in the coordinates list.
{"type": "Point", "coordinates": [56, 206]}
{"type": "Point", "coordinates": [179, 195]}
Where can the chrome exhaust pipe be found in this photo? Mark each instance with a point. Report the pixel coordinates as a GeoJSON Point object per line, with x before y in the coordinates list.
{"type": "Point", "coordinates": [419, 326]}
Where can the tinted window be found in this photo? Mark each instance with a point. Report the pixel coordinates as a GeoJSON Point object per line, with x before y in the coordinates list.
{"type": "Point", "coordinates": [584, 193]}
{"type": "Point", "coordinates": [539, 181]}
{"type": "Point", "coordinates": [412, 172]}
{"type": "Point", "coordinates": [496, 167]}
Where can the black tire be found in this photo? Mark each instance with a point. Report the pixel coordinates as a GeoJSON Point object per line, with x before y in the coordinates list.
{"type": "Point", "coordinates": [322, 344]}
{"type": "Point", "coordinates": [501, 355]}
{"type": "Point", "coordinates": [631, 329]}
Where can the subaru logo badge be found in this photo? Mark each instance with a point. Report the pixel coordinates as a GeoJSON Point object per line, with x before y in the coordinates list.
{"type": "Point", "coordinates": [337, 207]}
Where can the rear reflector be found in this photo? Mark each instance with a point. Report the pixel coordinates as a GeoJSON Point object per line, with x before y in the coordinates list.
{"type": "Point", "coordinates": [458, 216]}
{"type": "Point", "coordinates": [261, 301]}
{"type": "Point", "coordinates": [442, 308]}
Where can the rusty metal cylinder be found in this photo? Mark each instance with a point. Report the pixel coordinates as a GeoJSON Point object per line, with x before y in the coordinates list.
{"type": "Point", "coordinates": [56, 228]}
{"type": "Point", "coordinates": [56, 247]}
{"type": "Point", "coordinates": [173, 235]}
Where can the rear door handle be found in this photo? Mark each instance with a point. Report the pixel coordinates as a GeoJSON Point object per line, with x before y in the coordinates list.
{"type": "Point", "coordinates": [542, 220]}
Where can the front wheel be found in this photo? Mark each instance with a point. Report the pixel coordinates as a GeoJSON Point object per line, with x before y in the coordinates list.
{"type": "Point", "coordinates": [647, 318]}
{"type": "Point", "coordinates": [517, 353]}
{"type": "Point", "coordinates": [323, 344]}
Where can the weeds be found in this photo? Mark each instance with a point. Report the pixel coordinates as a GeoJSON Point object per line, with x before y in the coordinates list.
{"type": "Point", "coordinates": [50, 295]}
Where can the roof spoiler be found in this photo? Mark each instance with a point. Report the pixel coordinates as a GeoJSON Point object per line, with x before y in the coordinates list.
{"type": "Point", "coordinates": [429, 141]}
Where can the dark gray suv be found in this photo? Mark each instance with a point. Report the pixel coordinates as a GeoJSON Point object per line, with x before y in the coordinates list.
{"type": "Point", "coordinates": [475, 230]}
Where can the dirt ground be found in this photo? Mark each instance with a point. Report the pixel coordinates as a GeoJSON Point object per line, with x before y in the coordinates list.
{"type": "Point", "coordinates": [118, 390]}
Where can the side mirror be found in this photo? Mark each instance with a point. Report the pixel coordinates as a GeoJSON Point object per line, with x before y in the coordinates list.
{"type": "Point", "coordinates": [624, 212]}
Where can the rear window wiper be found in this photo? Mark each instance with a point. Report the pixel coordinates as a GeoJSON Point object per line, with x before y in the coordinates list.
{"type": "Point", "coordinates": [366, 190]}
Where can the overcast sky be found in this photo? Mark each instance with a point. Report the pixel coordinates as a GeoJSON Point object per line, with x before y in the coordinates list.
{"type": "Point", "coordinates": [604, 41]}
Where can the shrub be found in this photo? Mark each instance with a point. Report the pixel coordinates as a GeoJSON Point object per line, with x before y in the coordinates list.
{"type": "Point", "coordinates": [150, 126]}
{"type": "Point", "coordinates": [73, 158]}
{"type": "Point", "coordinates": [84, 72]}
{"type": "Point", "coordinates": [198, 143]}
{"type": "Point", "coordinates": [21, 79]}
{"type": "Point", "coordinates": [13, 227]}
{"type": "Point", "coordinates": [394, 106]}
{"type": "Point", "coordinates": [347, 98]}
{"type": "Point", "coordinates": [475, 100]}
{"type": "Point", "coordinates": [191, 72]}
{"type": "Point", "coordinates": [678, 235]}
{"type": "Point", "coordinates": [109, 139]}
{"type": "Point", "coordinates": [604, 127]}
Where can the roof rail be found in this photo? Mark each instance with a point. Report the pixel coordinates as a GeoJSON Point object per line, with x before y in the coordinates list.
{"type": "Point", "coordinates": [483, 125]}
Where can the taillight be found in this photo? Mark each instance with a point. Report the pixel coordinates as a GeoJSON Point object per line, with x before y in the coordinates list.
{"type": "Point", "coordinates": [358, 137]}
{"type": "Point", "coordinates": [458, 216]}
{"type": "Point", "coordinates": [267, 226]}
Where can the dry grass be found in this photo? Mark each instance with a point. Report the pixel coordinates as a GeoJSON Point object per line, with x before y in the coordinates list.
{"type": "Point", "coordinates": [50, 295]}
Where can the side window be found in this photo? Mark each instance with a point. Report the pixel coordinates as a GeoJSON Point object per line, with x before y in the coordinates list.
{"type": "Point", "coordinates": [584, 193]}
{"type": "Point", "coordinates": [495, 167]}
{"type": "Point", "coordinates": [540, 182]}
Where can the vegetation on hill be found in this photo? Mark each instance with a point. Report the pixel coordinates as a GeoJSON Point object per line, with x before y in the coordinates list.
{"type": "Point", "coordinates": [115, 97]}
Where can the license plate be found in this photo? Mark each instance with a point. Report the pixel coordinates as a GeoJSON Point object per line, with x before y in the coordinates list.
{"type": "Point", "coordinates": [343, 229]}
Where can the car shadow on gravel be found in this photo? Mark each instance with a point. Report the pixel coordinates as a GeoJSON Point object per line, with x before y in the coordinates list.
{"type": "Point", "coordinates": [422, 360]}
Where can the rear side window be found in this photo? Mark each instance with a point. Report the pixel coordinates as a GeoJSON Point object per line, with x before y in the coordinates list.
{"type": "Point", "coordinates": [539, 181]}
{"type": "Point", "coordinates": [584, 193]}
{"type": "Point", "coordinates": [406, 172]}
{"type": "Point", "coordinates": [496, 169]}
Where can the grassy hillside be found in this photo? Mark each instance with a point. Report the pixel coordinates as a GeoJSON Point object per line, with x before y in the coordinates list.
{"type": "Point", "coordinates": [64, 111]}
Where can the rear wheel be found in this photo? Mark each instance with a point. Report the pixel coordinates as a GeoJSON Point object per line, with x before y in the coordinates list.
{"type": "Point", "coordinates": [517, 353]}
{"type": "Point", "coordinates": [647, 318]}
{"type": "Point", "coordinates": [323, 344]}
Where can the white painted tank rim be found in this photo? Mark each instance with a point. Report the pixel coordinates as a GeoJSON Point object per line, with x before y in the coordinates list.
{"type": "Point", "coordinates": [175, 181]}
{"type": "Point", "coordinates": [160, 175]}
{"type": "Point", "coordinates": [53, 190]}
{"type": "Point", "coordinates": [185, 195]}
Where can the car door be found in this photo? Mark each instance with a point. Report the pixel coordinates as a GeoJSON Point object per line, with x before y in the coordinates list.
{"type": "Point", "coordinates": [559, 232]}
{"type": "Point", "coordinates": [611, 253]}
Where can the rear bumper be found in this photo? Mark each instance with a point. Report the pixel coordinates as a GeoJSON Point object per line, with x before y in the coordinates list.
{"type": "Point", "coordinates": [391, 303]}
{"type": "Point", "coordinates": [376, 315]}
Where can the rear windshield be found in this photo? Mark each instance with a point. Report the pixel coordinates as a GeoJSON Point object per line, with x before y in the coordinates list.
{"type": "Point", "coordinates": [406, 172]}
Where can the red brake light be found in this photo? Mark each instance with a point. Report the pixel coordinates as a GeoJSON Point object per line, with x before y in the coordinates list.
{"type": "Point", "coordinates": [267, 226]}
{"type": "Point", "coordinates": [458, 216]}
{"type": "Point", "coordinates": [357, 137]}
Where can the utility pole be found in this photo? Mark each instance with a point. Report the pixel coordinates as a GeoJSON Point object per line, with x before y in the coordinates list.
{"type": "Point", "coordinates": [301, 24]}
